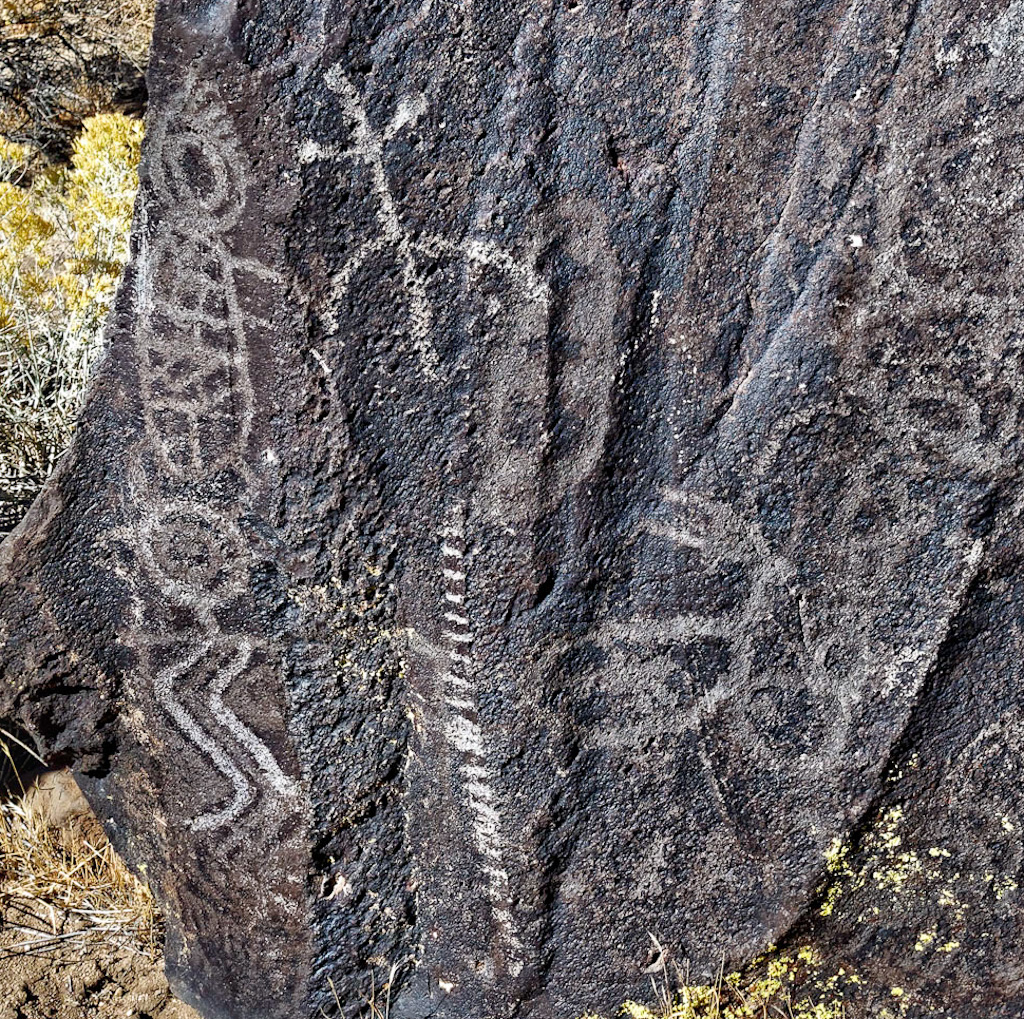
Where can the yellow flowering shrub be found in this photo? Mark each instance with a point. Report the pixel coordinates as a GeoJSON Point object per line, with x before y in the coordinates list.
{"type": "Point", "coordinates": [63, 244]}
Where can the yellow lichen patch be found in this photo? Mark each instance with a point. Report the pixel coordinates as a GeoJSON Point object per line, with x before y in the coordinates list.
{"type": "Point", "coordinates": [890, 867]}
{"type": "Point", "coordinates": [899, 880]}
{"type": "Point", "coordinates": [903, 866]}
{"type": "Point", "coordinates": [886, 832]}
{"type": "Point", "coordinates": [914, 881]}
{"type": "Point", "coordinates": [784, 984]}
{"type": "Point", "coordinates": [838, 867]}
{"type": "Point", "coordinates": [1003, 886]}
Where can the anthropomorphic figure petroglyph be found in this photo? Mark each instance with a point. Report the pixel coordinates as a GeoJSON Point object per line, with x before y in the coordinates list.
{"type": "Point", "coordinates": [554, 480]}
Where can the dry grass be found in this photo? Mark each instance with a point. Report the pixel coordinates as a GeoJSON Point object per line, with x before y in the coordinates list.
{"type": "Point", "coordinates": [378, 1002]}
{"type": "Point", "coordinates": [63, 886]}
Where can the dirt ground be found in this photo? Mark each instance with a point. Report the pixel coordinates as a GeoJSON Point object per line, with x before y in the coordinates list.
{"type": "Point", "coordinates": [69, 979]}
{"type": "Point", "coordinates": [95, 984]}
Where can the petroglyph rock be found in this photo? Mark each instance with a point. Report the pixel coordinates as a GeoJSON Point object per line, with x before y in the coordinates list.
{"type": "Point", "coordinates": [555, 480]}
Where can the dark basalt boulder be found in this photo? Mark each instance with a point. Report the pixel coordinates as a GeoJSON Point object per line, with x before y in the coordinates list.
{"type": "Point", "coordinates": [555, 480]}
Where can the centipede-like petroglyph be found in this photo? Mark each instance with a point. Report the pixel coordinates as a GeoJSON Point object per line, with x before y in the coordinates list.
{"type": "Point", "coordinates": [466, 737]}
{"type": "Point", "coordinates": [199, 404]}
{"type": "Point", "coordinates": [452, 656]}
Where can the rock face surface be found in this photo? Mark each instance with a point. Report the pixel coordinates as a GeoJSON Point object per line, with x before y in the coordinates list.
{"type": "Point", "coordinates": [555, 479]}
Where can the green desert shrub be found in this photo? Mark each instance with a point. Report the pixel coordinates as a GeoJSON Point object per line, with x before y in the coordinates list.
{"type": "Point", "coordinates": [63, 244]}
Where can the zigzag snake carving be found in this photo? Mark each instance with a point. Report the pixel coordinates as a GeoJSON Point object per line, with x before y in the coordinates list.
{"type": "Point", "coordinates": [199, 404]}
